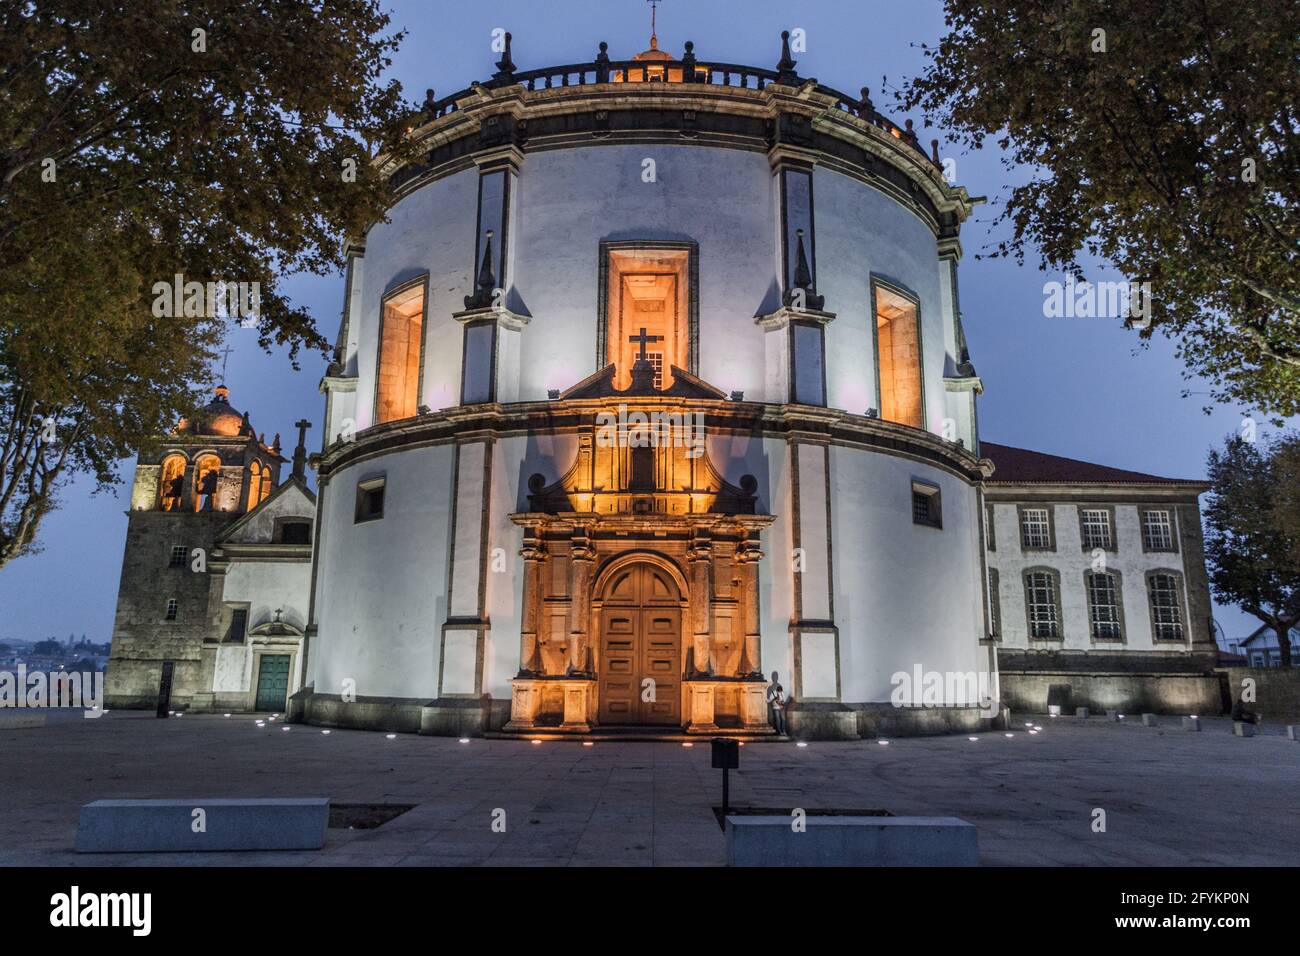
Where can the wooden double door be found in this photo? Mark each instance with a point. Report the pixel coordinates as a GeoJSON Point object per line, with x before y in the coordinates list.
{"type": "Point", "coordinates": [640, 648]}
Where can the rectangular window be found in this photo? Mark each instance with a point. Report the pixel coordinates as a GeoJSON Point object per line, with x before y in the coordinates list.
{"type": "Point", "coordinates": [1042, 605]}
{"type": "Point", "coordinates": [478, 382]}
{"type": "Point", "coordinates": [898, 357]}
{"type": "Point", "coordinates": [1166, 606]}
{"type": "Point", "coordinates": [238, 625]}
{"type": "Point", "coordinates": [995, 605]}
{"type": "Point", "coordinates": [807, 363]}
{"type": "Point", "coordinates": [179, 553]}
{"type": "Point", "coordinates": [1094, 526]}
{"type": "Point", "coordinates": [648, 302]}
{"type": "Point", "coordinates": [1104, 606]}
{"type": "Point", "coordinates": [400, 358]}
{"type": "Point", "coordinates": [1035, 529]}
{"type": "Point", "coordinates": [172, 608]}
{"type": "Point", "coordinates": [1157, 530]}
{"type": "Point", "coordinates": [926, 505]}
{"type": "Point", "coordinates": [370, 500]}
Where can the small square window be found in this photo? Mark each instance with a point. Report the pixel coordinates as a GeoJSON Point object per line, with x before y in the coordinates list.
{"type": "Point", "coordinates": [370, 500]}
{"type": "Point", "coordinates": [179, 553]}
{"type": "Point", "coordinates": [172, 608]}
{"type": "Point", "coordinates": [926, 505]}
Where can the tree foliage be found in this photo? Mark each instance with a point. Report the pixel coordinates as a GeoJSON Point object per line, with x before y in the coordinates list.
{"type": "Point", "coordinates": [221, 140]}
{"type": "Point", "coordinates": [1252, 550]}
{"type": "Point", "coordinates": [1161, 137]}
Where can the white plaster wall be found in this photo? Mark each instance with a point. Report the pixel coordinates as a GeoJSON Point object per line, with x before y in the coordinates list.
{"type": "Point", "coordinates": [905, 594]}
{"type": "Point", "coordinates": [382, 585]}
{"type": "Point", "coordinates": [431, 230]}
{"type": "Point", "coordinates": [571, 200]}
{"type": "Point", "coordinates": [861, 231]}
{"type": "Point", "coordinates": [1071, 561]}
{"type": "Point", "coordinates": [568, 200]}
{"type": "Point", "coordinates": [267, 585]}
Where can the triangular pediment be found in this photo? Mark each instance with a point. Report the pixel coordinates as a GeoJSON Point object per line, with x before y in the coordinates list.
{"type": "Point", "coordinates": [292, 499]}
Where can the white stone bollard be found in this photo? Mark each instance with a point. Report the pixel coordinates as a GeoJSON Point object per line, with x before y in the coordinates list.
{"type": "Point", "coordinates": [1081, 712]}
{"type": "Point", "coordinates": [1293, 731]}
{"type": "Point", "coordinates": [1192, 723]}
{"type": "Point", "coordinates": [1148, 720]}
{"type": "Point", "coordinates": [1242, 729]}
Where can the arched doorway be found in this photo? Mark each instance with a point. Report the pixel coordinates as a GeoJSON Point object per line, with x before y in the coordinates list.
{"type": "Point", "coordinates": [640, 646]}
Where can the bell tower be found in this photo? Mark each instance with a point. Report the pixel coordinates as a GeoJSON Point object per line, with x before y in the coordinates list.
{"type": "Point", "coordinates": [189, 486]}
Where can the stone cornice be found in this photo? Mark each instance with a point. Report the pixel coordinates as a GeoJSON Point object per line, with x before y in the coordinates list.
{"type": "Point", "coordinates": [516, 120]}
{"type": "Point", "coordinates": [806, 423]}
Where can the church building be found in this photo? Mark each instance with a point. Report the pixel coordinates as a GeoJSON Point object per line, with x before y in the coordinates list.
{"type": "Point", "coordinates": [651, 392]}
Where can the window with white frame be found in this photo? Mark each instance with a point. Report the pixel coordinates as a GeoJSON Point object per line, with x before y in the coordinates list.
{"type": "Point", "coordinates": [1035, 529]}
{"type": "Point", "coordinates": [1042, 604]}
{"type": "Point", "coordinates": [1104, 605]}
{"type": "Point", "coordinates": [1166, 606]}
{"type": "Point", "coordinates": [1157, 530]}
{"type": "Point", "coordinates": [1094, 524]}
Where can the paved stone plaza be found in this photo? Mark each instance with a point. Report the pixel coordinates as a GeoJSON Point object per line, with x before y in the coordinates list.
{"type": "Point", "coordinates": [1171, 797]}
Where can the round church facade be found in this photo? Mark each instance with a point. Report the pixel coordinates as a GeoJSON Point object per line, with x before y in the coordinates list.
{"type": "Point", "coordinates": [652, 393]}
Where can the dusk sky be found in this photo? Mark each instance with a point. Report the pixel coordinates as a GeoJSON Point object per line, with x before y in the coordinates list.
{"type": "Point", "coordinates": [1084, 388]}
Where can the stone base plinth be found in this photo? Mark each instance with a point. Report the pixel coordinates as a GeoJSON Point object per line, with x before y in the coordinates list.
{"type": "Point", "coordinates": [530, 710]}
{"type": "Point", "coordinates": [699, 705]}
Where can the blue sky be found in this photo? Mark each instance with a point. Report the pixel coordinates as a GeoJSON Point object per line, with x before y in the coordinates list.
{"type": "Point", "coordinates": [1077, 387]}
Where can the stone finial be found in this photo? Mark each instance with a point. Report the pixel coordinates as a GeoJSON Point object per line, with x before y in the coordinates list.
{"type": "Point", "coordinates": [934, 151]}
{"type": "Point", "coordinates": [865, 107]}
{"type": "Point", "coordinates": [430, 104]}
{"type": "Point", "coordinates": [803, 279]}
{"type": "Point", "coordinates": [505, 66]}
{"type": "Point", "coordinates": [787, 75]}
{"type": "Point", "coordinates": [482, 297]}
{"type": "Point", "coordinates": [602, 63]}
{"type": "Point", "coordinates": [688, 63]}
{"type": "Point", "coordinates": [909, 133]}
{"type": "Point", "coordinates": [300, 451]}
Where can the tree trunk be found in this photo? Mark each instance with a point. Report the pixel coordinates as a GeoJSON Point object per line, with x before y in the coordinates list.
{"type": "Point", "coordinates": [1284, 643]}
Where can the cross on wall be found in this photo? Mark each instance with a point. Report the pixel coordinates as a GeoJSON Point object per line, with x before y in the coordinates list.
{"type": "Point", "coordinates": [644, 340]}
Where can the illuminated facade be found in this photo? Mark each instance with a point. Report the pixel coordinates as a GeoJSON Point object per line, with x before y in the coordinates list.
{"type": "Point", "coordinates": [689, 361]}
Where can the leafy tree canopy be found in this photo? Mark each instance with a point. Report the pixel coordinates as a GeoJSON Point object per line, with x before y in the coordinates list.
{"type": "Point", "coordinates": [1161, 137]}
{"type": "Point", "coordinates": [221, 140]}
{"type": "Point", "coordinates": [1252, 549]}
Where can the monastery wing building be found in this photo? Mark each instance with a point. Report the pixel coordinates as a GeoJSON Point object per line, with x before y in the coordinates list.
{"type": "Point", "coordinates": [653, 392]}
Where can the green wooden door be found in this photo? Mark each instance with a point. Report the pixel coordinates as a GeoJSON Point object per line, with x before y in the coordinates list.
{"type": "Point", "coordinates": [272, 682]}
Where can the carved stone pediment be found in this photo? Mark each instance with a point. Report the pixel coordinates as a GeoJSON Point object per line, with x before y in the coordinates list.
{"type": "Point", "coordinates": [643, 458]}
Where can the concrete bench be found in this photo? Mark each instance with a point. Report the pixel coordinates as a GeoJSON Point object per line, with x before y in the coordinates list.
{"type": "Point", "coordinates": [1241, 728]}
{"type": "Point", "coordinates": [851, 841]}
{"type": "Point", "coordinates": [156, 826]}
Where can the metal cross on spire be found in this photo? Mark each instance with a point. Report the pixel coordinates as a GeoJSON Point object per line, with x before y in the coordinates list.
{"type": "Point", "coordinates": [225, 357]}
{"type": "Point", "coordinates": [654, 9]}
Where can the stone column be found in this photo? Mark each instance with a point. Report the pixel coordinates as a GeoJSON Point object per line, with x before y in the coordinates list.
{"type": "Point", "coordinates": [583, 557]}
{"type": "Point", "coordinates": [534, 554]}
{"type": "Point", "coordinates": [701, 558]}
{"type": "Point", "coordinates": [748, 556]}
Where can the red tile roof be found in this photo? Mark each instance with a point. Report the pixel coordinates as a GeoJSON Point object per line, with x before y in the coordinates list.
{"type": "Point", "coordinates": [1021, 466]}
